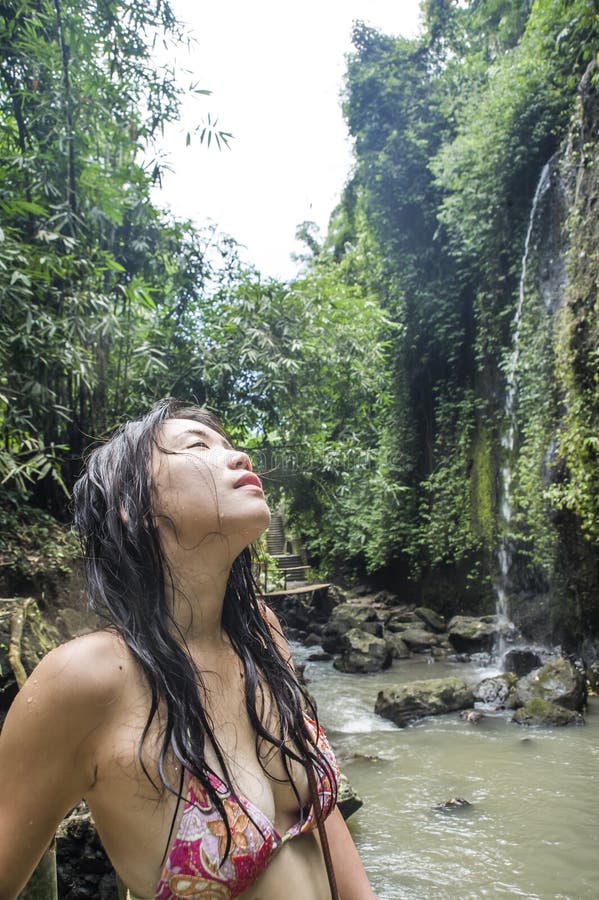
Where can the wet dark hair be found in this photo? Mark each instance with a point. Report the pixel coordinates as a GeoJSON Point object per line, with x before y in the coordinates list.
{"type": "Point", "coordinates": [126, 576]}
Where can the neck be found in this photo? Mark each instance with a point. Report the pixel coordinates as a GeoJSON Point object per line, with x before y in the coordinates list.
{"type": "Point", "coordinates": [197, 594]}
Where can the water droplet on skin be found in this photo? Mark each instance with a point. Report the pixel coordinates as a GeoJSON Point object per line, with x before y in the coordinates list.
{"type": "Point", "coordinates": [29, 699]}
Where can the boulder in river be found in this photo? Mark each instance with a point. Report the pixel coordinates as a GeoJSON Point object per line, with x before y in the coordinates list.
{"type": "Point", "coordinates": [544, 712]}
{"type": "Point", "coordinates": [363, 652]}
{"type": "Point", "coordinates": [432, 697]}
{"type": "Point", "coordinates": [455, 803]}
{"type": "Point", "coordinates": [345, 617]}
{"type": "Point", "coordinates": [402, 619]}
{"type": "Point", "coordinates": [558, 681]}
{"type": "Point", "coordinates": [498, 692]}
{"type": "Point", "coordinates": [472, 716]}
{"type": "Point", "coordinates": [397, 646]}
{"type": "Point", "coordinates": [521, 660]}
{"type": "Point", "coordinates": [432, 620]}
{"type": "Point", "coordinates": [418, 640]}
{"type": "Point", "coordinates": [347, 799]}
{"type": "Point", "coordinates": [471, 634]}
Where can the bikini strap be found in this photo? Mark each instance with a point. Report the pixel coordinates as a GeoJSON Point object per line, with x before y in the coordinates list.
{"type": "Point", "coordinates": [324, 841]}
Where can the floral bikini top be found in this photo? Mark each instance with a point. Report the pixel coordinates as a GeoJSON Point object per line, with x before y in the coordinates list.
{"type": "Point", "coordinates": [192, 869]}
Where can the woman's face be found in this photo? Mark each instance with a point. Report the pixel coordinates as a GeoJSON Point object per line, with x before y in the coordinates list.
{"type": "Point", "coordinates": [204, 488]}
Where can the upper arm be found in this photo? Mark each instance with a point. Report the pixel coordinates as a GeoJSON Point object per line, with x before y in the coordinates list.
{"type": "Point", "coordinates": [46, 759]}
{"type": "Point", "coordinates": [351, 877]}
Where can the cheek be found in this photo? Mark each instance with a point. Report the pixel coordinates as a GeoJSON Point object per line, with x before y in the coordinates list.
{"type": "Point", "coordinates": [184, 491]}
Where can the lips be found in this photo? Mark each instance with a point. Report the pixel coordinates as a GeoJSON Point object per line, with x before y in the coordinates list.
{"type": "Point", "coordinates": [248, 478]}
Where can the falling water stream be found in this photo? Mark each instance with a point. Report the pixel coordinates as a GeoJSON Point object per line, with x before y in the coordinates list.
{"type": "Point", "coordinates": [532, 828]}
{"type": "Point", "coordinates": [508, 437]}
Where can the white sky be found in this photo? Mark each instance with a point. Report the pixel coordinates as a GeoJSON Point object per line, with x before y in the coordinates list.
{"type": "Point", "coordinates": [275, 70]}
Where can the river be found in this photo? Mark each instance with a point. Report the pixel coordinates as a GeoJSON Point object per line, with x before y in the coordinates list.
{"type": "Point", "coordinates": [532, 829]}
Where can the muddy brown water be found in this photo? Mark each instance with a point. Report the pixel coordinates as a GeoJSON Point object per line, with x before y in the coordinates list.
{"type": "Point", "coordinates": [532, 829]}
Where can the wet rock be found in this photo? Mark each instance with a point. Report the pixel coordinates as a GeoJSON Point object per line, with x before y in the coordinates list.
{"type": "Point", "coordinates": [84, 870]}
{"type": "Point", "coordinates": [593, 677]}
{"type": "Point", "coordinates": [347, 799]}
{"type": "Point", "coordinates": [336, 594]}
{"type": "Point", "coordinates": [311, 640]}
{"type": "Point", "coordinates": [320, 656]}
{"type": "Point", "coordinates": [402, 619]}
{"type": "Point", "coordinates": [362, 652]}
{"type": "Point", "coordinates": [455, 803]}
{"type": "Point", "coordinates": [521, 661]}
{"type": "Point", "coordinates": [72, 623]}
{"type": "Point", "coordinates": [397, 646]}
{"type": "Point", "coordinates": [472, 716]}
{"type": "Point", "coordinates": [432, 620]}
{"type": "Point", "coordinates": [418, 640]}
{"type": "Point", "coordinates": [306, 610]}
{"type": "Point", "coordinates": [469, 634]}
{"type": "Point", "coordinates": [386, 598]}
{"type": "Point", "coordinates": [558, 681]}
{"type": "Point", "coordinates": [432, 697]}
{"type": "Point", "coordinates": [345, 617]}
{"type": "Point", "coordinates": [544, 712]}
{"type": "Point", "coordinates": [498, 692]}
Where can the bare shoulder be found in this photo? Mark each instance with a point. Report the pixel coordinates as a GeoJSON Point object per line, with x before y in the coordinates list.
{"type": "Point", "coordinates": [85, 676]}
{"type": "Point", "coordinates": [96, 662]}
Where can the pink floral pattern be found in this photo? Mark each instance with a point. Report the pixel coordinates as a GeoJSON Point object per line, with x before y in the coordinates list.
{"type": "Point", "coordinates": [192, 869]}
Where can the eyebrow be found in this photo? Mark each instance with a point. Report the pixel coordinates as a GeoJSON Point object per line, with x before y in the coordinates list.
{"type": "Point", "coordinates": [201, 432]}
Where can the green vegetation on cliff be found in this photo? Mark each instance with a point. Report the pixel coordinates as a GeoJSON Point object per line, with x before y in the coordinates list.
{"type": "Point", "coordinates": [371, 389]}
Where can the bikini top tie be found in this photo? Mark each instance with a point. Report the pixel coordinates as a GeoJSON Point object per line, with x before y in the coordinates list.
{"type": "Point", "coordinates": [192, 868]}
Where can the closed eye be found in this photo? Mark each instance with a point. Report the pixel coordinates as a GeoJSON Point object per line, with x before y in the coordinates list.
{"type": "Point", "coordinates": [199, 444]}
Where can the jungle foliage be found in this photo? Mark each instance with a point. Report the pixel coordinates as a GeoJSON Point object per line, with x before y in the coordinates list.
{"type": "Point", "coordinates": [370, 389]}
{"type": "Point", "coordinates": [451, 133]}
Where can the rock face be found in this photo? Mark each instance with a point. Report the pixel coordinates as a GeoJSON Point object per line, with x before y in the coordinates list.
{"type": "Point", "coordinates": [84, 870]}
{"type": "Point", "coordinates": [469, 634]}
{"type": "Point", "coordinates": [346, 617]}
{"type": "Point", "coordinates": [362, 652]}
{"type": "Point", "coordinates": [521, 661]}
{"type": "Point", "coordinates": [558, 682]}
{"type": "Point", "coordinates": [544, 712]}
{"type": "Point", "coordinates": [347, 799]}
{"type": "Point", "coordinates": [304, 612]}
{"type": "Point", "coordinates": [432, 697]}
{"type": "Point", "coordinates": [498, 692]}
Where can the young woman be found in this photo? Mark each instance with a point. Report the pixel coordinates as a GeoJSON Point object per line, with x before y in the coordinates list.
{"type": "Point", "coordinates": [181, 723]}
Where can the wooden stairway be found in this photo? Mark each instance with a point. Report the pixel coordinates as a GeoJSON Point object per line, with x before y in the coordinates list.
{"type": "Point", "coordinates": [290, 564]}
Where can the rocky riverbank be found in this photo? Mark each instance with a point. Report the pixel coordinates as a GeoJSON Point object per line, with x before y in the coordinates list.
{"type": "Point", "coordinates": [366, 634]}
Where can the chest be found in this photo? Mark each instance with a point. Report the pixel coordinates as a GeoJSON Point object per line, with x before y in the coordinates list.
{"type": "Point", "coordinates": [135, 820]}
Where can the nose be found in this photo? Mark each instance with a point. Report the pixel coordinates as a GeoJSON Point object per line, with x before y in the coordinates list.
{"type": "Point", "coordinates": [240, 460]}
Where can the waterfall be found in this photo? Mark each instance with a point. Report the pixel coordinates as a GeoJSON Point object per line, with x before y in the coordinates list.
{"type": "Point", "coordinates": [505, 551]}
